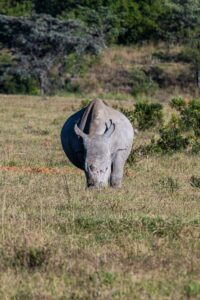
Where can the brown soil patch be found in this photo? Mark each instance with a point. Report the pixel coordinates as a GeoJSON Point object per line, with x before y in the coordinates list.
{"type": "Point", "coordinates": [43, 170]}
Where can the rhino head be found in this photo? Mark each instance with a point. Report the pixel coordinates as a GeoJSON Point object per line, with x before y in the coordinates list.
{"type": "Point", "coordinates": [98, 156]}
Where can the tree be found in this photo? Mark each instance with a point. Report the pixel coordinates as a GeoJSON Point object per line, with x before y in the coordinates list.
{"type": "Point", "coordinates": [16, 7]}
{"type": "Point", "coordinates": [138, 19]}
{"type": "Point", "coordinates": [40, 43]}
{"type": "Point", "coordinates": [179, 19]}
{"type": "Point", "coordinates": [193, 51]}
{"type": "Point", "coordinates": [104, 19]}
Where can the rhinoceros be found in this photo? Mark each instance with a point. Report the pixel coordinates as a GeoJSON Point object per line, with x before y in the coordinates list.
{"type": "Point", "coordinates": [98, 139]}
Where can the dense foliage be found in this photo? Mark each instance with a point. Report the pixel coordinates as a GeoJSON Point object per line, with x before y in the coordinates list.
{"type": "Point", "coordinates": [180, 132]}
{"type": "Point", "coordinates": [40, 46]}
{"type": "Point", "coordinates": [125, 21]}
{"type": "Point", "coordinates": [43, 41]}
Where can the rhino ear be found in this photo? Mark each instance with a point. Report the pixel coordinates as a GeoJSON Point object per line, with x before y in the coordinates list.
{"type": "Point", "coordinates": [79, 132]}
{"type": "Point", "coordinates": [110, 130]}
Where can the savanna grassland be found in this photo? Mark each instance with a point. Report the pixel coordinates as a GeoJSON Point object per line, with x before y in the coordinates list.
{"type": "Point", "coordinates": [61, 241]}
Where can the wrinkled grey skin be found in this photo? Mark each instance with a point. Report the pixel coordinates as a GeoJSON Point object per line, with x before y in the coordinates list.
{"type": "Point", "coordinates": [98, 139]}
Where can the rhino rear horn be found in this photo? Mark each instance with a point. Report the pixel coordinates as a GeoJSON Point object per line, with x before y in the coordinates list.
{"type": "Point", "coordinates": [79, 132]}
{"type": "Point", "coordinates": [110, 130]}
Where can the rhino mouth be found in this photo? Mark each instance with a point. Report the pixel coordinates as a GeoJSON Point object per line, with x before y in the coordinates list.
{"type": "Point", "coordinates": [92, 185]}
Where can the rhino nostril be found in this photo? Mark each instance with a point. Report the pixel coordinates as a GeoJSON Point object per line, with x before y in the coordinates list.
{"type": "Point", "coordinates": [91, 168]}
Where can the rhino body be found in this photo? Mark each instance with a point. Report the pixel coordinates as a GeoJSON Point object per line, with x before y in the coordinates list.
{"type": "Point", "coordinates": [98, 139]}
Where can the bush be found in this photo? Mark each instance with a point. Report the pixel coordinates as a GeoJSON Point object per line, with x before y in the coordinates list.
{"type": "Point", "coordinates": [145, 115]}
{"type": "Point", "coordinates": [196, 147]}
{"type": "Point", "coordinates": [141, 83]}
{"type": "Point", "coordinates": [140, 152]}
{"type": "Point", "coordinates": [190, 117]}
{"type": "Point", "coordinates": [128, 113]}
{"type": "Point", "coordinates": [160, 76]}
{"type": "Point", "coordinates": [181, 132]}
{"type": "Point", "coordinates": [71, 85]}
{"type": "Point", "coordinates": [148, 115]}
{"type": "Point", "coordinates": [16, 84]}
{"type": "Point", "coordinates": [189, 114]}
{"type": "Point", "coordinates": [178, 103]}
{"type": "Point", "coordinates": [171, 139]}
{"type": "Point", "coordinates": [166, 56]}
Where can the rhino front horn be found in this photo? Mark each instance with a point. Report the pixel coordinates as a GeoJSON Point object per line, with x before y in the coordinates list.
{"type": "Point", "coordinates": [79, 132]}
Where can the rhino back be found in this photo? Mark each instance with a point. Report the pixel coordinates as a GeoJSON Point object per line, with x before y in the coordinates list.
{"type": "Point", "coordinates": [71, 143]}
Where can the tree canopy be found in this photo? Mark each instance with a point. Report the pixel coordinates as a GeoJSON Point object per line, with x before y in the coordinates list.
{"type": "Point", "coordinates": [122, 21]}
{"type": "Point", "coordinates": [40, 45]}
{"type": "Point", "coordinates": [39, 37]}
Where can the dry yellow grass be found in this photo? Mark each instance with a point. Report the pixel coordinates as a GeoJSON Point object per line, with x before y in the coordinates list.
{"type": "Point", "coordinates": [111, 74]}
{"type": "Point", "coordinates": [60, 241]}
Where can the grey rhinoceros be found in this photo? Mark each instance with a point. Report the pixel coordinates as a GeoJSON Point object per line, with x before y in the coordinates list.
{"type": "Point", "coordinates": [98, 139]}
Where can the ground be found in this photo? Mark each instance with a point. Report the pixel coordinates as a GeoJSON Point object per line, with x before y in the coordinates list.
{"type": "Point", "coordinates": [61, 241]}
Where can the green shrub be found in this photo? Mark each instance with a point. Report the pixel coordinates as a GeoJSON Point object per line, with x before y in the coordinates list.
{"type": "Point", "coordinates": [159, 76]}
{"type": "Point", "coordinates": [148, 115]}
{"type": "Point", "coordinates": [141, 83]}
{"type": "Point", "coordinates": [196, 147]}
{"type": "Point", "coordinates": [178, 103]}
{"type": "Point", "coordinates": [167, 56]}
{"type": "Point", "coordinates": [145, 115]}
{"type": "Point", "coordinates": [141, 151]}
{"type": "Point", "coordinates": [181, 132]}
{"type": "Point", "coordinates": [189, 114]}
{"type": "Point", "coordinates": [190, 117]}
{"type": "Point", "coordinates": [79, 65]}
{"type": "Point", "coordinates": [128, 113]}
{"type": "Point", "coordinates": [171, 139]}
{"type": "Point", "coordinates": [16, 84]}
{"type": "Point", "coordinates": [71, 86]}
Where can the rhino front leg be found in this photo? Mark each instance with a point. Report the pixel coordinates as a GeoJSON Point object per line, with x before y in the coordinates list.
{"type": "Point", "coordinates": [117, 172]}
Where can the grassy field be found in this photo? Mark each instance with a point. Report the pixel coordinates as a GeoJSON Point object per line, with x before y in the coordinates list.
{"type": "Point", "coordinates": [60, 241]}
